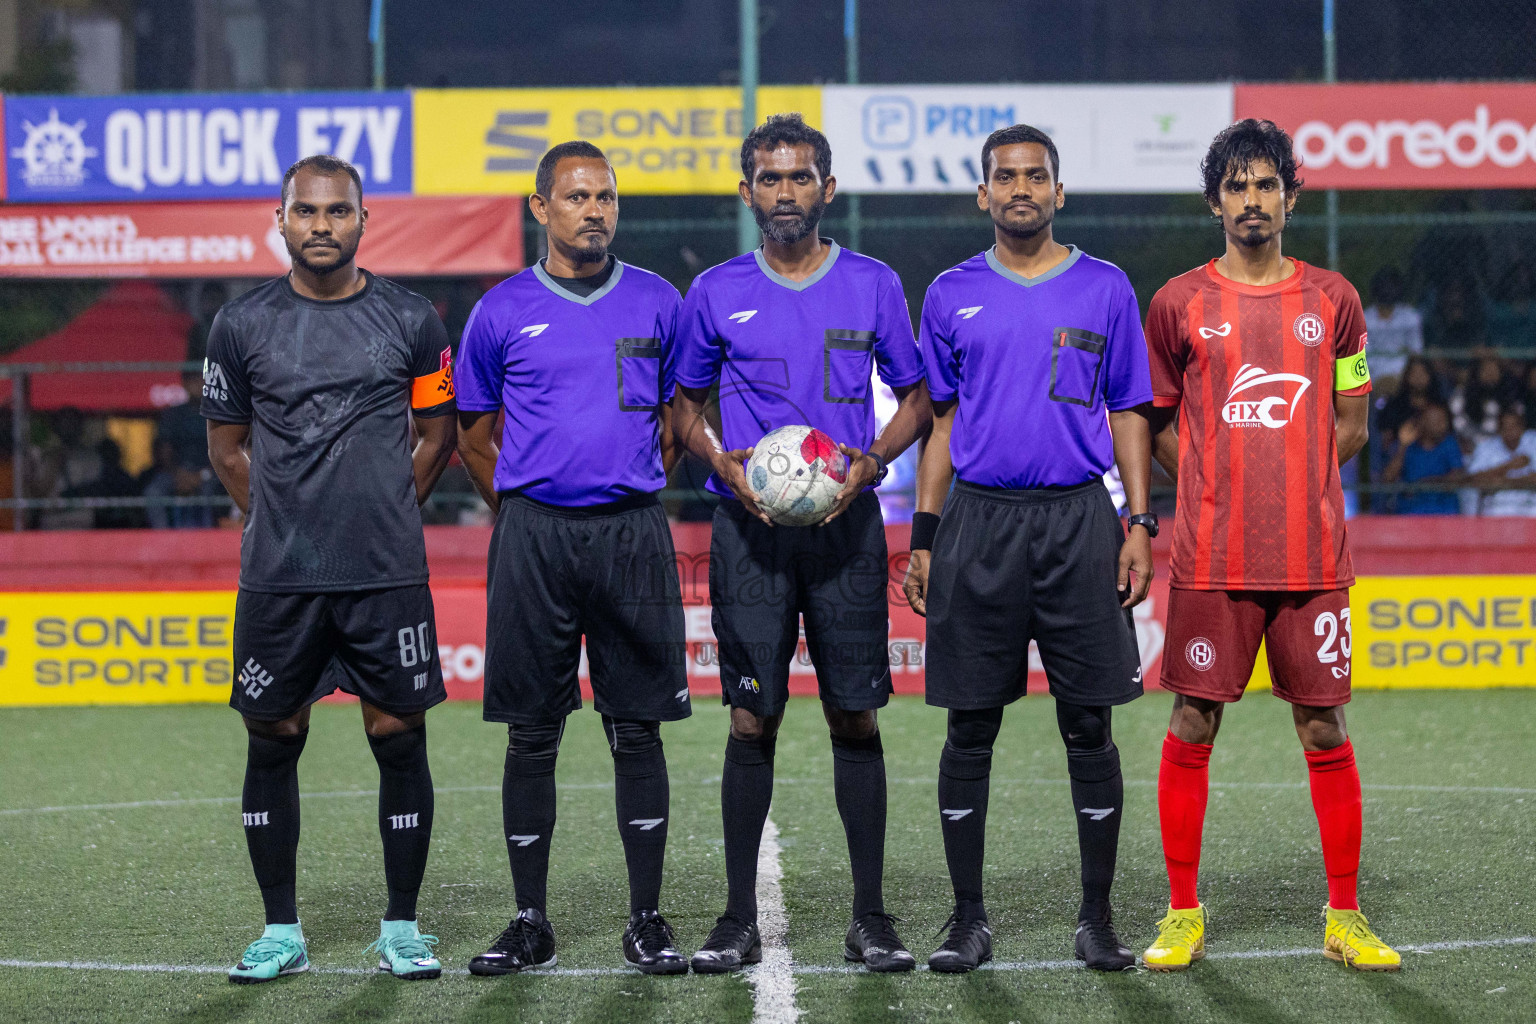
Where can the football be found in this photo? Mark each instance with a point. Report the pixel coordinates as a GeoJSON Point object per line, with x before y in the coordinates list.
{"type": "Point", "coordinates": [796, 472]}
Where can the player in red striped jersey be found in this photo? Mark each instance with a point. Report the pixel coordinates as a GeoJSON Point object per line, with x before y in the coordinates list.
{"type": "Point", "coordinates": [1260, 387]}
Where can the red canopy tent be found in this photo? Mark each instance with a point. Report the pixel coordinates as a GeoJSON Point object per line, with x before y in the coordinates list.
{"type": "Point", "coordinates": [134, 321]}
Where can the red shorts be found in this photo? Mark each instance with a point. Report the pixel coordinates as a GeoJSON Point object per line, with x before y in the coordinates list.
{"type": "Point", "coordinates": [1213, 638]}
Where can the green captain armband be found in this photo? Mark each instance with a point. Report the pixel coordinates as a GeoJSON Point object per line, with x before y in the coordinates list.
{"type": "Point", "coordinates": [1350, 372]}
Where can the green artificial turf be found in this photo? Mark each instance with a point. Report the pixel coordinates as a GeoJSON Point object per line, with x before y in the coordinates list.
{"type": "Point", "coordinates": [1449, 850]}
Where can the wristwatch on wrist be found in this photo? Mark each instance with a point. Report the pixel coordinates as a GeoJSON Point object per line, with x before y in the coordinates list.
{"type": "Point", "coordinates": [1146, 520]}
{"type": "Point", "coordinates": [881, 468]}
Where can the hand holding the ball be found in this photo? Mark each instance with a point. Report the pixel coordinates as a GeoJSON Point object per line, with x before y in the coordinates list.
{"type": "Point", "coordinates": [729, 466]}
{"type": "Point", "coordinates": [862, 471]}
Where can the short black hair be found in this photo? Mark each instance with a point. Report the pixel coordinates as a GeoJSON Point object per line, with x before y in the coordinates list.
{"type": "Point", "coordinates": [785, 130]}
{"type": "Point", "coordinates": [1014, 135]}
{"type": "Point", "coordinates": [321, 163]}
{"type": "Point", "coordinates": [1239, 145]}
{"type": "Point", "coordinates": [544, 177]}
{"type": "Point", "coordinates": [1388, 282]}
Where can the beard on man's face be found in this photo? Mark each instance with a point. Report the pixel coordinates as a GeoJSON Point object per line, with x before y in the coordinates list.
{"type": "Point", "coordinates": [301, 259]}
{"type": "Point", "coordinates": [590, 246]}
{"type": "Point", "coordinates": [1254, 228]}
{"type": "Point", "coordinates": [1028, 225]}
{"type": "Point", "coordinates": [787, 231]}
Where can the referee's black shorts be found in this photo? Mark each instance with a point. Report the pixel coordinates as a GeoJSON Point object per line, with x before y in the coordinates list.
{"type": "Point", "coordinates": [1013, 566]}
{"type": "Point", "coordinates": [763, 579]}
{"type": "Point", "coordinates": [557, 573]}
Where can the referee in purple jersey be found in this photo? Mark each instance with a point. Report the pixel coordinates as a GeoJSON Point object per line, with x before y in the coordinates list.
{"type": "Point", "coordinates": [572, 354]}
{"type": "Point", "coordinates": [1038, 371]}
{"type": "Point", "coordinates": [791, 334]}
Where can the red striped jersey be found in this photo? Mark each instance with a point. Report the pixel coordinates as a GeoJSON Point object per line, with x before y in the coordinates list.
{"type": "Point", "coordinates": [1252, 371]}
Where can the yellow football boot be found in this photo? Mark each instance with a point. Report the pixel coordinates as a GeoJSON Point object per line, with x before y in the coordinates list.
{"type": "Point", "coordinates": [1348, 937]}
{"type": "Point", "coordinates": [1180, 940]}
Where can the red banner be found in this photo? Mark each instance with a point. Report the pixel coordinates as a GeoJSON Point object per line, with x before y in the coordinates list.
{"type": "Point", "coordinates": [406, 237]}
{"type": "Point", "coordinates": [1395, 136]}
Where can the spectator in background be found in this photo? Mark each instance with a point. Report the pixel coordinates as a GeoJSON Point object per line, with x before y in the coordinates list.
{"type": "Point", "coordinates": [167, 477]}
{"type": "Point", "coordinates": [1457, 320]}
{"type": "Point", "coordinates": [112, 481]}
{"type": "Point", "coordinates": [1418, 388]}
{"type": "Point", "coordinates": [1396, 329]}
{"type": "Point", "coordinates": [185, 427]}
{"type": "Point", "coordinates": [1477, 404]}
{"type": "Point", "coordinates": [1512, 313]}
{"type": "Point", "coordinates": [69, 465]}
{"type": "Point", "coordinates": [1427, 454]}
{"type": "Point", "coordinates": [1504, 468]}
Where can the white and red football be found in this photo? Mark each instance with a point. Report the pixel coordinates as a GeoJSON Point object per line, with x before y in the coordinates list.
{"type": "Point", "coordinates": [796, 472]}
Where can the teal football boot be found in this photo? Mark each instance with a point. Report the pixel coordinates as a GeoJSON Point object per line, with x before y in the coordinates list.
{"type": "Point", "coordinates": [405, 952]}
{"type": "Point", "coordinates": [280, 950]}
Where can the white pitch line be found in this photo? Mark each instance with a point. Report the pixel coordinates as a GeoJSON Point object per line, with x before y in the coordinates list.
{"type": "Point", "coordinates": [773, 980]}
{"type": "Point", "coordinates": [812, 969]}
{"type": "Point", "coordinates": [1147, 783]}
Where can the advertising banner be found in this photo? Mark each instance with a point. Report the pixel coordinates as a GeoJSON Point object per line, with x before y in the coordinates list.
{"type": "Point", "coordinates": [70, 149]}
{"type": "Point", "coordinates": [139, 647]}
{"type": "Point", "coordinates": [672, 141]}
{"type": "Point", "coordinates": [406, 236]}
{"type": "Point", "coordinates": [130, 647]}
{"type": "Point", "coordinates": [1111, 138]}
{"type": "Point", "coordinates": [1402, 135]}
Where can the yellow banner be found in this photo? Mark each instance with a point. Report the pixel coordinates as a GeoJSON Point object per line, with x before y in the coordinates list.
{"type": "Point", "coordinates": [674, 141]}
{"type": "Point", "coordinates": [1419, 632]}
{"type": "Point", "coordinates": [163, 647]}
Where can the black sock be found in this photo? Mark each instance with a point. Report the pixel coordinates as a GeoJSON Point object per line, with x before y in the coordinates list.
{"type": "Point", "coordinates": [1098, 793]}
{"type": "Point", "coordinates": [858, 778]}
{"type": "Point", "coordinates": [269, 806]}
{"type": "Point", "coordinates": [405, 815]}
{"type": "Point", "coordinates": [746, 790]}
{"type": "Point", "coordinates": [528, 819]}
{"type": "Point", "coordinates": [641, 798]}
{"type": "Point", "coordinates": [964, 783]}
{"type": "Point", "coordinates": [965, 769]}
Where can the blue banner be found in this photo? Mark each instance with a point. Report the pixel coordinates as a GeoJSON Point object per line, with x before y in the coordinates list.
{"type": "Point", "coordinates": [198, 146]}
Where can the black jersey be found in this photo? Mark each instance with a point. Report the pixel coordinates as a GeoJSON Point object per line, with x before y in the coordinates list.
{"type": "Point", "coordinates": [328, 389]}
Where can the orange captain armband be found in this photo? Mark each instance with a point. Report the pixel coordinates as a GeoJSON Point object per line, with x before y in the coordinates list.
{"type": "Point", "coordinates": [433, 389]}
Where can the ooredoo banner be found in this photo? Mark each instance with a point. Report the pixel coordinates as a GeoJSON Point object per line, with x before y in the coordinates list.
{"type": "Point", "coordinates": [406, 236]}
{"type": "Point", "coordinates": [69, 149]}
{"type": "Point", "coordinates": [1111, 138]}
{"type": "Point", "coordinates": [1405, 135]}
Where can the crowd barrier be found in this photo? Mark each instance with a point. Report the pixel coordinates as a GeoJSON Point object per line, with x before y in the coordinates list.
{"type": "Point", "coordinates": [142, 617]}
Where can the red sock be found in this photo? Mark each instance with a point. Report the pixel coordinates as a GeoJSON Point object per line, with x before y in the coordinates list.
{"type": "Point", "coordinates": [1183, 784]}
{"type": "Point", "coordinates": [1336, 798]}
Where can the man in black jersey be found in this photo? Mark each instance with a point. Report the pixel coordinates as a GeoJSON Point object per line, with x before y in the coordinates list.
{"type": "Point", "coordinates": [311, 386]}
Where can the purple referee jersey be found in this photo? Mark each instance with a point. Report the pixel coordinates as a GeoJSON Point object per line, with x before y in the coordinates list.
{"type": "Point", "coordinates": [1034, 363]}
{"type": "Point", "coordinates": [582, 380]}
{"type": "Point", "coordinates": [788, 352]}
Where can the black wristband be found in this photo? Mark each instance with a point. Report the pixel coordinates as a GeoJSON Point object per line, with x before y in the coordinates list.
{"type": "Point", "coordinates": [924, 526]}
